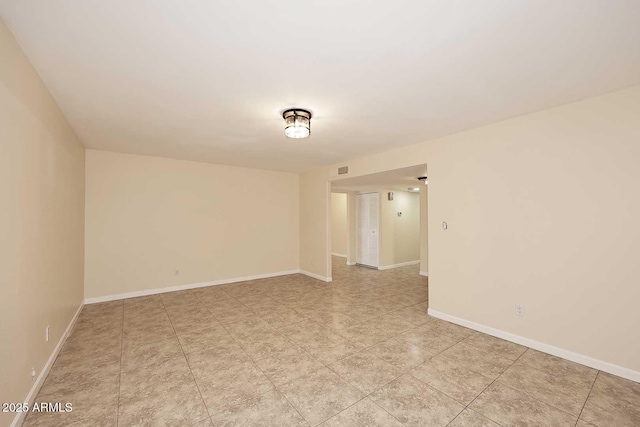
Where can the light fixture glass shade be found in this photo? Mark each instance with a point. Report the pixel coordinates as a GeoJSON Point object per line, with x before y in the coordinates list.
{"type": "Point", "coordinates": [297, 123]}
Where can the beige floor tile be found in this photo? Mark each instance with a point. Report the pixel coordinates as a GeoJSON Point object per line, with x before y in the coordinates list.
{"type": "Point", "coordinates": [486, 364]}
{"type": "Point", "coordinates": [334, 319]}
{"type": "Point", "coordinates": [331, 352]}
{"type": "Point", "coordinates": [416, 314]}
{"type": "Point", "coordinates": [363, 313]}
{"type": "Point", "coordinates": [440, 327]}
{"type": "Point", "coordinates": [384, 305]}
{"type": "Point", "coordinates": [231, 386]}
{"type": "Point", "coordinates": [469, 418]}
{"type": "Point", "coordinates": [94, 348]}
{"type": "Point", "coordinates": [193, 317]}
{"type": "Point", "coordinates": [176, 406]}
{"type": "Point", "coordinates": [213, 358]}
{"type": "Point", "coordinates": [320, 395]}
{"type": "Point", "coordinates": [559, 367]}
{"type": "Point", "coordinates": [65, 378]}
{"type": "Point", "coordinates": [414, 403]}
{"type": "Point", "coordinates": [400, 354]}
{"type": "Point", "coordinates": [148, 333]}
{"type": "Point", "coordinates": [269, 409]}
{"type": "Point", "coordinates": [391, 324]}
{"type": "Point", "coordinates": [554, 390]}
{"type": "Point", "coordinates": [363, 335]}
{"type": "Point", "coordinates": [139, 355]}
{"type": "Point", "coordinates": [494, 345]}
{"type": "Point", "coordinates": [287, 367]}
{"type": "Point", "coordinates": [365, 413]}
{"type": "Point", "coordinates": [609, 403]}
{"type": "Point", "coordinates": [365, 371]}
{"type": "Point", "coordinates": [431, 342]}
{"type": "Point", "coordinates": [196, 342]}
{"type": "Point", "coordinates": [204, 423]}
{"type": "Point", "coordinates": [617, 388]}
{"type": "Point", "coordinates": [510, 407]}
{"type": "Point", "coordinates": [150, 379]}
{"type": "Point", "coordinates": [281, 319]}
{"type": "Point", "coordinates": [456, 381]}
{"type": "Point", "coordinates": [267, 345]}
{"type": "Point", "coordinates": [249, 327]}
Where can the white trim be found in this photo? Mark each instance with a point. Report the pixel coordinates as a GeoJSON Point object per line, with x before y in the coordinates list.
{"type": "Point", "coordinates": [316, 276]}
{"type": "Point", "coordinates": [183, 287]}
{"type": "Point", "coordinates": [402, 264]}
{"type": "Point", "coordinates": [337, 254]}
{"type": "Point", "coordinates": [351, 263]}
{"type": "Point", "coordinates": [20, 416]}
{"type": "Point", "coordinates": [424, 273]}
{"type": "Point", "coordinates": [546, 348]}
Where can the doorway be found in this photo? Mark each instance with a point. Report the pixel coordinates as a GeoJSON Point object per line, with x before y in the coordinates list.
{"type": "Point", "coordinates": [386, 219]}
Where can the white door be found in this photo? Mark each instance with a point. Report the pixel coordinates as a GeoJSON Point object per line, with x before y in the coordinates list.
{"type": "Point", "coordinates": [367, 223]}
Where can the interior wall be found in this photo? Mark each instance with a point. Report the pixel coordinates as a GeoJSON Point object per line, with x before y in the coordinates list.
{"type": "Point", "coordinates": [424, 230]}
{"type": "Point", "coordinates": [41, 223]}
{"type": "Point", "coordinates": [542, 211]}
{"type": "Point", "coordinates": [315, 193]}
{"type": "Point", "coordinates": [147, 217]}
{"type": "Point", "coordinates": [339, 224]}
{"type": "Point", "coordinates": [399, 235]}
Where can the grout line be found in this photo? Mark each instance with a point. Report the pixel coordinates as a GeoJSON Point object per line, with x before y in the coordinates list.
{"type": "Point", "coordinates": [120, 373]}
{"type": "Point", "coordinates": [589, 394]}
{"type": "Point", "coordinates": [206, 408]}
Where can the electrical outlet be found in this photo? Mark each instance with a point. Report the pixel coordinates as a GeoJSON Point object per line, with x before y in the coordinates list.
{"type": "Point", "coordinates": [519, 310]}
{"type": "Point", "coordinates": [177, 273]}
{"type": "Point", "coordinates": [46, 333]}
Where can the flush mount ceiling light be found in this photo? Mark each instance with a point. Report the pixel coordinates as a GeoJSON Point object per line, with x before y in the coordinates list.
{"type": "Point", "coordinates": [423, 179]}
{"type": "Point", "coordinates": [413, 188]}
{"type": "Point", "coordinates": [297, 123]}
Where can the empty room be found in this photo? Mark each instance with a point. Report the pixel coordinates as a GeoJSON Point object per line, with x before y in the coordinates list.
{"type": "Point", "coordinates": [322, 213]}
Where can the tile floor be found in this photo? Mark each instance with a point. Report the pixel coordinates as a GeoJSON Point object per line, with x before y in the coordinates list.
{"type": "Point", "coordinates": [293, 351]}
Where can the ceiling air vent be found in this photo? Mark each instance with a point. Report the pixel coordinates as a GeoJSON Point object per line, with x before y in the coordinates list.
{"type": "Point", "coordinates": [343, 170]}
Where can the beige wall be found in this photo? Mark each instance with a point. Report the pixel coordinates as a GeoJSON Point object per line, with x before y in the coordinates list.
{"type": "Point", "coordinates": [315, 220]}
{"type": "Point", "coordinates": [147, 217]}
{"type": "Point", "coordinates": [542, 211]}
{"type": "Point", "coordinates": [424, 229]}
{"type": "Point", "coordinates": [339, 223]}
{"type": "Point", "coordinates": [399, 236]}
{"type": "Point", "coordinates": [41, 223]}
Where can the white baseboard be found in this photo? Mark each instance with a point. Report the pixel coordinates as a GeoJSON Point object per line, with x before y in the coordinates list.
{"type": "Point", "coordinates": [184, 287]}
{"type": "Point", "coordinates": [424, 273]}
{"type": "Point", "coordinates": [402, 264]}
{"type": "Point", "coordinates": [316, 276]}
{"type": "Point", "coordinates": [545, 348]}
{"type": "Point", "coordinates": [340, 255]}
{"type": "Point", "coordinates": [31, 396]}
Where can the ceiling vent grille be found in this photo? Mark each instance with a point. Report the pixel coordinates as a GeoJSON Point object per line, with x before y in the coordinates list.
{"type": "Point", "coordinates": [343, 170]}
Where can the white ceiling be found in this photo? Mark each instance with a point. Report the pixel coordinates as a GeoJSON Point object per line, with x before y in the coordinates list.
{"type": "Point", "coordinates": [207, 80]}
{"type": "Point", "coordinates": [397, 179]}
